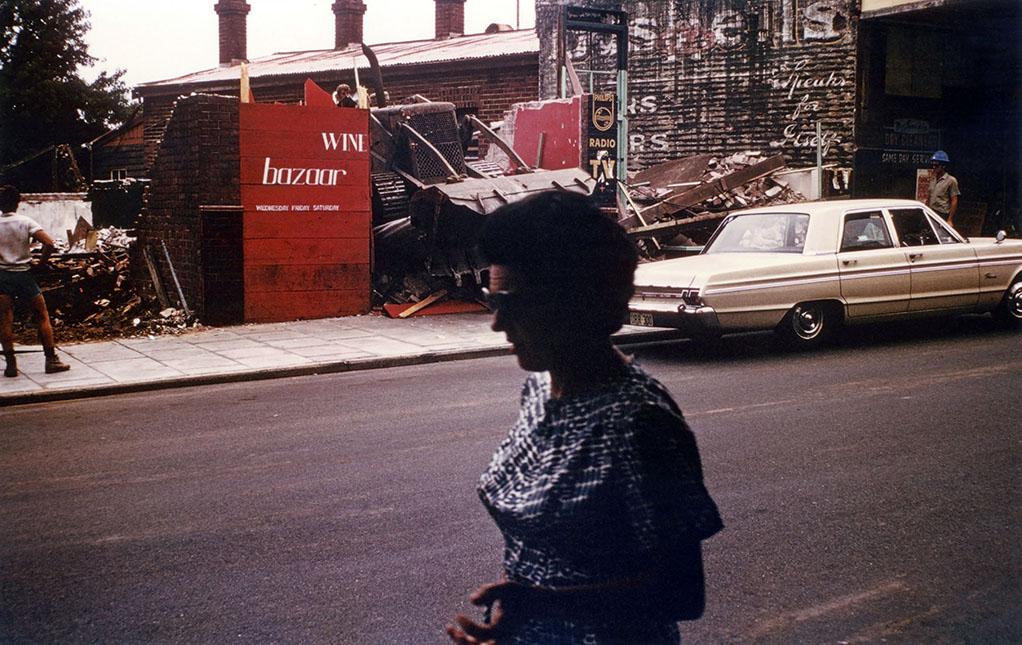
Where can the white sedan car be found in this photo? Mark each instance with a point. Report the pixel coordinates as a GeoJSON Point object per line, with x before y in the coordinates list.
{"type": "Point", "coordinates": [804, 270]}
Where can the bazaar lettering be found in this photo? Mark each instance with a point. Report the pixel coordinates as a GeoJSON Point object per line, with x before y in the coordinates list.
{"type": "Point", "coordinates": [300, 176]}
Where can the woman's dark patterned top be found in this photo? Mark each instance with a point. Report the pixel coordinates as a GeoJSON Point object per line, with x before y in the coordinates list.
{"type": "Point", "coordinates": [594, 488]}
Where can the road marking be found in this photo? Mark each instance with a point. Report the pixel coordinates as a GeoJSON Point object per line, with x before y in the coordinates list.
{"type": "Point", "coordinates": [751, 406]}
{"type": "Point", "coordinates": [840, 603]}
{"type": "Point", "coordinates": [858, 389]}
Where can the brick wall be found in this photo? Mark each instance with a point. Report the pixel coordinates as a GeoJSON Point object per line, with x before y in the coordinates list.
{"type": "Point", "coordinates": [196, 164]}
{"type": "Point", "coordinates": [719, 76]}
{"type": "Point", "coordinates": [347, 22]}
{"type": "Point", "coordinates": [449, 17]}
{"type": "Point", "coordinates": [233, 29]}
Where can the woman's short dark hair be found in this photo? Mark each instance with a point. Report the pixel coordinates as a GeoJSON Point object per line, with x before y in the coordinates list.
{"type": "Point", "coordinates": [562, 245]}
{"type": "Point", "coordinates": [10, 197]}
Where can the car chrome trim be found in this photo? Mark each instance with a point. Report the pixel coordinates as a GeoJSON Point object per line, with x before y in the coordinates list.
{"type": "Point", "coordinates": [1001, 262]}
{"type": "Point", "coordinates": [673, 293]}
{"type": "Point", "coordinates": [859, 274]}
{"type": "Point", "coordinates": [770, 285]}
{"type": "Point", "coordinates": [933, 268]}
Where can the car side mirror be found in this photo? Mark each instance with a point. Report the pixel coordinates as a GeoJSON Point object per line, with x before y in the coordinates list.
{"type": "Point", "coordinates": [1000, 236]}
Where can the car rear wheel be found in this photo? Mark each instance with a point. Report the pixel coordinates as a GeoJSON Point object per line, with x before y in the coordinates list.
{"type": "Point", "coordinates": [809, 324]}
{"type": "Point", "coordinates": [1009, 311]}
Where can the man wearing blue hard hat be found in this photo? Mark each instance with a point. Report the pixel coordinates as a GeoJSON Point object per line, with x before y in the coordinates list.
{"type": "Point", "coordinates": [944, 191]}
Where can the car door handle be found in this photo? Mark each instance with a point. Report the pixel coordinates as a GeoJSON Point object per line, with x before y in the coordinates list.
{"type": "Point", "coordinates": [849, 262]}
{"type": "Point", "coordinates": [912, 257]}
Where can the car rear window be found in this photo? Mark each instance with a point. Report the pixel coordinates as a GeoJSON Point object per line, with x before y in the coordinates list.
{"type": "Point", "coordinates": [865, 230]}
{"type": "Point", "coordinates": [761, 233]}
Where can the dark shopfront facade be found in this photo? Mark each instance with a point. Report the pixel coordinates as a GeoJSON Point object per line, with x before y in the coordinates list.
{"type": "Point", "coordinates": [941, 75]}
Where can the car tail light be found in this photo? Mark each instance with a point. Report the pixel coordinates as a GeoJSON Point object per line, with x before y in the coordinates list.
{"type": "Point", "coordinates": [691, 297]}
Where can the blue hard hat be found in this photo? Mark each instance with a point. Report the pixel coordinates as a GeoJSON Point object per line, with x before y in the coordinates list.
{"type": "Point", "coordinates": [940, 156]}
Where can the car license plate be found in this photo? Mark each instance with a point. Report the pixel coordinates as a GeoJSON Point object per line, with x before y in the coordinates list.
{"type": "Point", "coordinates": [640, 319]}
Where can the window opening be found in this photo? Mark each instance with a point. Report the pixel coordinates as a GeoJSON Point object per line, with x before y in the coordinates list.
{"type": "Point", "coordinates": [913, 227]}
{"type": "Point", "coordinates": [866, 230]}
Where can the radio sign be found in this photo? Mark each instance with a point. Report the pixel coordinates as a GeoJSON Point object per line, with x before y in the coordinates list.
{"type": "Point", "coordinates": [601, 148]}
{"type": "Point", "coordinates": [307, 220]}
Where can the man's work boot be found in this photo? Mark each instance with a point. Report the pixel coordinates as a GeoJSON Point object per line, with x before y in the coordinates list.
{"type": "Point", "coordinates": [12, 365]}
{"type": "Point", "coordinates": [54, 365]}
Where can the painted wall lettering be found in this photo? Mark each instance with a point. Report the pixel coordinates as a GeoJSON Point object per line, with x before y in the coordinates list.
{"type": "Point", "coordinates": [726, 75]}
{"type": "Point", "coordinates": [808, 92]}
{"type": "Point", "coordinates": [300, 176]}
{"type": "Point", "coordinates": [642, 105]}
{"type": "Point", "coordinates": [729, 29]}
{"type": "Point", "coordinates": [639, 143]}
{"type": "Point", "coordinates": [825, 20]}
{"type": "Point", "coordinates": [820, 21]}
{"type": "Point", "coordinates": [343, 141]}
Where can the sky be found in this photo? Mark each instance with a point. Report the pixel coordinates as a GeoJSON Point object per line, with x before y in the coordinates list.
{"type": "Point", "coordinates": [158, 39]}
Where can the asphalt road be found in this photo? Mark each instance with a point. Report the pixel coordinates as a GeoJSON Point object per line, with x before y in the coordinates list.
{"type": "Point", "coordinates": [871, 492]}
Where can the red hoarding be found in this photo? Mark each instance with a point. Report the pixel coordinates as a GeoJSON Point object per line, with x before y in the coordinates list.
{"type": "Point", "coordinates": [307, 222]}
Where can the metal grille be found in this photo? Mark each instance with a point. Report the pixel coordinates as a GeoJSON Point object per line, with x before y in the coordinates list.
{"type": "Point", "coordinates": [440, 129]}
{"type": "Point", "coordinates": [428, 168]}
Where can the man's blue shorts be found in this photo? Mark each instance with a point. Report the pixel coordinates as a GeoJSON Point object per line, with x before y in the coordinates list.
{"type": "Point", "coordinates": [18, 284]}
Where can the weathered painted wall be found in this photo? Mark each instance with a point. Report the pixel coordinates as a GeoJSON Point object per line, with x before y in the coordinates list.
{"type": "Point", "coordinates": [56, 212]}
{"type": "Point", "coordinates": [548, 134]}
{"type": "Point", "coordinates": [718, 76]}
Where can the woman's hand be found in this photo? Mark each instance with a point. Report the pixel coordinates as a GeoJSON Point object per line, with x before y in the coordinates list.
{"type": "Point", "coordinates": [509, 599]}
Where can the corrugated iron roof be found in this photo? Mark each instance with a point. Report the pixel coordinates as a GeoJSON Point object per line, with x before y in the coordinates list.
{"type": "Point", "coordinates": [417, 52]}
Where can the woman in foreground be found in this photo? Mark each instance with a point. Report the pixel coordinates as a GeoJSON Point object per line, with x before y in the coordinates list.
{"type": "Point", "coordinates": [598, 488]}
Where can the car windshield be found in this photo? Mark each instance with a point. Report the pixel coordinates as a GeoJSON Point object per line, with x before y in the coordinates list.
{"type": "Point", "coordinates": [761, 233]}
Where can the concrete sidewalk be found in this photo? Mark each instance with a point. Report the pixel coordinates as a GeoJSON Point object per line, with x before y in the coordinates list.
{"type": "Point", "coordinates": [261, 351]}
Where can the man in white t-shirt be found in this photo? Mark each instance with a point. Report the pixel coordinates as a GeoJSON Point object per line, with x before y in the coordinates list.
{"type": "Point", "coordinates": [17, 234]}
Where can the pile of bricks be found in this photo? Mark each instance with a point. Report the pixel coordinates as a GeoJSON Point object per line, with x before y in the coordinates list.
{"type": "Point", "coordinates": [90, 294]}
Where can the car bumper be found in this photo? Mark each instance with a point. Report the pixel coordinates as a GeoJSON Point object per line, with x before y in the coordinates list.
{"type": "Point", "coordinates": [697, 321]}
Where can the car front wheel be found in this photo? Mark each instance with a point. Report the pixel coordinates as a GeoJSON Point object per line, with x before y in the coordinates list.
{"type": "Point", "coordinates": [808, 325]}
{"type": "Point", "coordinates": [1009, 311]}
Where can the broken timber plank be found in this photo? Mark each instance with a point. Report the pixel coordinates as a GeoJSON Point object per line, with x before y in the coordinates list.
{"type": "Point", "coordinates": [716, 187]}
{"type": "Point", "coordinates": [154, 275]}
{"type": "Point", "coordinates": [672, 226]}
{"type": "Point", "coordinates": [664, 175]}
{"type": "Point", "coordinates": [638, 215]}
{"type": "Point", "coordinates": [422, 304]}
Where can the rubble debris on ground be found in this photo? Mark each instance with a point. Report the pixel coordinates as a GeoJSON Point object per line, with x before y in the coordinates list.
{"type": "Point", "coordinates": [675, 206]}
{"type": "Point", "coordinates": [90, 294]}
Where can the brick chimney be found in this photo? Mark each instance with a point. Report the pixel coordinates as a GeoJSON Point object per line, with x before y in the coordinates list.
{"type": "Point", "coordinates": [347, 22]}
{"type": "Point", "coordinates": [450, 18]}
{"type": "Point", "coordinates": [233, 30]}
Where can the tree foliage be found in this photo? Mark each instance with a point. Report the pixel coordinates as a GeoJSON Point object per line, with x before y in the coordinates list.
{"type": "Point", "coordinates": [43, 98]}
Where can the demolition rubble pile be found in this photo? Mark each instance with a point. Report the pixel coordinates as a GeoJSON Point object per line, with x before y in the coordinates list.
{"type": "Point", "coordinates": [429, 204]}
{"type": "Point", "coordinates": [676, 206]}
{"type": "Point", "coordinates": [90, 294]}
